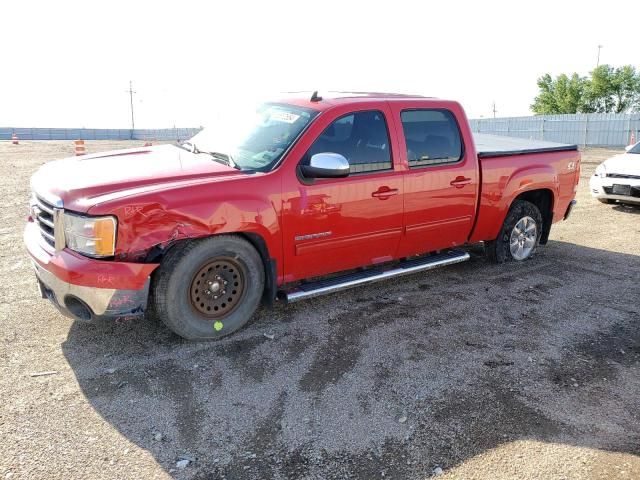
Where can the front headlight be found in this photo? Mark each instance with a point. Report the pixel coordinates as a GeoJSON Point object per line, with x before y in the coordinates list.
{"type": "Point", "coordinates": [92, 236]}
{"type": "Point", "coordinates": [601, 171]}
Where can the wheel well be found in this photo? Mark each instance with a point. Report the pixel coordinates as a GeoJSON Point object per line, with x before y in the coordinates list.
{"type": "Point", "coordinates": [156, 255]}
{"type": "Point", "coordinates": [270, 284]}
{"type": "Point", "coordinates": [543, 199]}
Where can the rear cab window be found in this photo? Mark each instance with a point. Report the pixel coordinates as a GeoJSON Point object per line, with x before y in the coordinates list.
{"type": "Point", "coordinates": [432, 137]}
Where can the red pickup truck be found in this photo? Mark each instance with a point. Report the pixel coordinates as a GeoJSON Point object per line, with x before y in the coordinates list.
{"type": "Point", "coordinates": [303, 197]}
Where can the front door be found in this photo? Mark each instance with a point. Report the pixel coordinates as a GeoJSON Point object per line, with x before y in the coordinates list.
{"type": "Point", "coordinates": [332, 225]}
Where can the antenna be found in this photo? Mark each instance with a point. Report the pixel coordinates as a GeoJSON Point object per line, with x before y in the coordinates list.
{"type": "Point", "coordinates": [315, 97]}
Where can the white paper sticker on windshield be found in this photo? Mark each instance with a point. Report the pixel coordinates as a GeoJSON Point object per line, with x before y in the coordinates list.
{"type": "Point", "coordinates": [285, 117]}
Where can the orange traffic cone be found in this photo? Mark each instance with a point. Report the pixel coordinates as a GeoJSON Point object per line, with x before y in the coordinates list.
{"type": "Point", "coordinates": [14, 138]}
{"type": "Point", "coordinates": [80, 149]}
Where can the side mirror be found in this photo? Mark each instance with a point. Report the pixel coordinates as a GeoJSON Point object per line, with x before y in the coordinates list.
{"type": "Point", "coordinates": [326, 165]}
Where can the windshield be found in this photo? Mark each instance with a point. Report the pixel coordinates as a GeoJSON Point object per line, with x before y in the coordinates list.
{"type": "Point", "coordinates": [635, 149]}
{"type": "Point", "coordinates": [255, 140]}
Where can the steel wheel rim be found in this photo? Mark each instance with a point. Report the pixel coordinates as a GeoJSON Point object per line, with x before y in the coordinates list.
{"type": "Point", "coordinates": [217, 288]}
{"type": "Point", "coordinates": [523, 238]}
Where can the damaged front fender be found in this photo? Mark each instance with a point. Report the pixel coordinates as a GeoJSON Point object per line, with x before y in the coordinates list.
{"type": "Point", "coordinates": [149, 224]}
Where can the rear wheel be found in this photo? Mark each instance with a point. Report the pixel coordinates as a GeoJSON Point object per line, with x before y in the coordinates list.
{"type": "Point", "coordinates": [520, 234]}
{"type": "Point", "coordinates": [206, 289]}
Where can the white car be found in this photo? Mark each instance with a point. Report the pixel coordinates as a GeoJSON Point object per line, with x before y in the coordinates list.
{"type": "Point", "coordinates": [617, 179]}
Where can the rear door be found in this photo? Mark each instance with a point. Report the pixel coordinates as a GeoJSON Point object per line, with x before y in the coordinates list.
{"type": "Point", "coordinates": [441, 180]}
{"type": "Point", "coordinates": [339, 224]}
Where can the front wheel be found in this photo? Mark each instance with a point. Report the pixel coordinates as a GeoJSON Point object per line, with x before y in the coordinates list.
{"type": "Point", "coordinates": [520, 234]}
{"type": "Point", "coordinates": [206, 289]}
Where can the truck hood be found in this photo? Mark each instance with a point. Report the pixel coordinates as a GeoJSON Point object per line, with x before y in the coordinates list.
{"type": "Point", "coordinates": [84, 181]}
{"type": "Point", "coordinates": [625, 164]}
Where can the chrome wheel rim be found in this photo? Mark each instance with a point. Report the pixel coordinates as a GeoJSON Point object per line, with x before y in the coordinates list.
{"type": "Point", "coordinates": [523, 238]}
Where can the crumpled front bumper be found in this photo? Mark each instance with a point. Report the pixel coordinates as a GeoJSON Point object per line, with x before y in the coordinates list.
{"type": "Point", "coordinates": [87, 289]}
{"type": "Point", "coordinates": [90, 303]}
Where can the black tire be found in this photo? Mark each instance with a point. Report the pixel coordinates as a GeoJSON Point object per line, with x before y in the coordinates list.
{"type": "Point", "coordinates": [607, 201]}
{"type": "Point", "coordinates": [499, 250]}
{"type": "Point", "coordinates": [175, 284]}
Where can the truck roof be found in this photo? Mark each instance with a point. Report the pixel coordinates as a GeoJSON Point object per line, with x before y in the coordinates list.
{"type": "Point", "coordinates": [324, 100]}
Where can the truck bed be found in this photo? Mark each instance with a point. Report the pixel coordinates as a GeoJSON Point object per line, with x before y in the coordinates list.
{"type": "Point", "coordinates": [499, 146]}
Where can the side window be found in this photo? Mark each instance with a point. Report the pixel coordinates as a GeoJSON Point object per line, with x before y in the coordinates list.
{"type": "Point", "coordinates": [432, 137]}
{"type": "Point", "coordinates": [361, 137]}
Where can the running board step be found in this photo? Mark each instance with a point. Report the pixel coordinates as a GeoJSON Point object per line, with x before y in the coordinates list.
{"type": "Point", "coordinates": [321, 287]}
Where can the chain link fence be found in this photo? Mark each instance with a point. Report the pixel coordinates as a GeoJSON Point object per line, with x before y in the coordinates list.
{"type": "Point", "coordinates": [594, 129]}
{"type": "Point", "coordinates": [164, 134]}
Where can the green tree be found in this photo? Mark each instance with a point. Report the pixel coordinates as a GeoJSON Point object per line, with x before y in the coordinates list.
{"type": "Point", "coordinates": [606, 90]}
{"type": "Point", "coordinates": [560, 95]}
{"type": "Point", "coordinates": [612, 90]}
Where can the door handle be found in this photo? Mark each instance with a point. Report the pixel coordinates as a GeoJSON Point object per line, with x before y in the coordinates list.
{"type": "Point", "coordinates": [384, 192]}
{"type": "Point", "coordinates": [460, 182]}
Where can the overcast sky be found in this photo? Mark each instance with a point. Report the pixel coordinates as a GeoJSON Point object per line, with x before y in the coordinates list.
{"type": "Point", "coordinates": [68, 63]}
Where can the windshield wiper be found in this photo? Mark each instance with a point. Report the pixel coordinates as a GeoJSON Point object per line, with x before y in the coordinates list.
{"type": "Point", "coordinates": [188, 146]}
{"type": "Point", "coordinates": [225, 157]}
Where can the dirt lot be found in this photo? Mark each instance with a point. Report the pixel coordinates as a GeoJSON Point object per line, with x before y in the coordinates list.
{"type": "Point", "coordinates": [483, 371]}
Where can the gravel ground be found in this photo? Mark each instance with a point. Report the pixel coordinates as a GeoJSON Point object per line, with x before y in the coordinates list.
{"type": "Point", "coordinates": [476, 370]}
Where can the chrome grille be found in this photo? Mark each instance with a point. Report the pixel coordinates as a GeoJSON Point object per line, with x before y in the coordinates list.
{"type": "Point", "coordinates": [622, 175]}
{"type": "Point", "coordinates": [44, 212]}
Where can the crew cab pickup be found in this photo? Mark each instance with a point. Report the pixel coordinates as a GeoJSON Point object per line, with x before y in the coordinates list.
{"type": "Point", "coordinates": [304, 196]}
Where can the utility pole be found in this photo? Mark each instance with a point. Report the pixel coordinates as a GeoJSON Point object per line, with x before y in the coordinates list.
{"type": "Point", "coordinates": [494, 109]}
{"type": "Point", "coordinates": [598, 62]}
{"type": "Point", "coordinates": [131, 92]}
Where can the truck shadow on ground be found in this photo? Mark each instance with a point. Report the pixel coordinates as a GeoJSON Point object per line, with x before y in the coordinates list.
{"type": "Point", "coordinates": [395, 379]}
